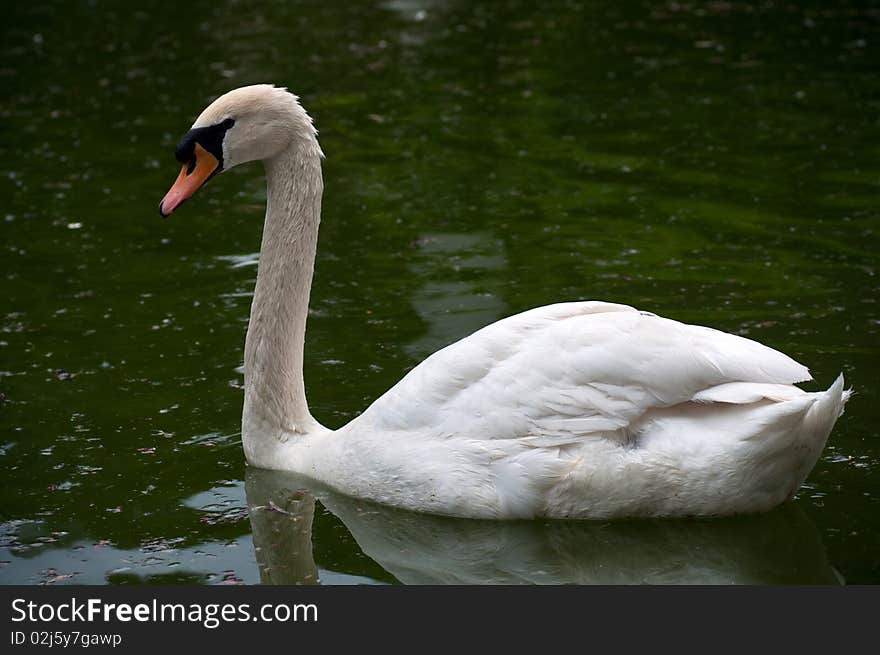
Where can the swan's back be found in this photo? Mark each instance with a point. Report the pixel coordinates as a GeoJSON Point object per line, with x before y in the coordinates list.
{"type": "Point", "coordinates": [571, 369]}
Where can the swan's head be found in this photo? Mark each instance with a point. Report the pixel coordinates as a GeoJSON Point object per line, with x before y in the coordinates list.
{"type": "Point", "coordinates": [250, 123]}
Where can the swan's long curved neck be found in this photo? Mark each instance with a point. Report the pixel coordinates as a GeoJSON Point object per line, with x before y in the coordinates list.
{"type": "Point", "coordinates": [275, 407]}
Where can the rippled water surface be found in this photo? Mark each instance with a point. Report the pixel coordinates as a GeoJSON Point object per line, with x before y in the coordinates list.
{"type": "Point", "coordinates": [713, 162]}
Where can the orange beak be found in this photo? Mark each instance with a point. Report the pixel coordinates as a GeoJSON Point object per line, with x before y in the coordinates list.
{"type": "Point", "coordinates": [192, 176]}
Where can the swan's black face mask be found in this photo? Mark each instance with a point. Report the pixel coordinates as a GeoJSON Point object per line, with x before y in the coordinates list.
{"type": "Point", "coordinates": [201, 153]}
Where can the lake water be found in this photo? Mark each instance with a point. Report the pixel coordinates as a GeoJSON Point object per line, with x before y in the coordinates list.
{"type": "Point", "coordinates": [716, 163]}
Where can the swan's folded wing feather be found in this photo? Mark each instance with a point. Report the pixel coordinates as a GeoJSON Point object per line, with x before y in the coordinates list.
{"type": "Point", "coordinates": [561, 373]}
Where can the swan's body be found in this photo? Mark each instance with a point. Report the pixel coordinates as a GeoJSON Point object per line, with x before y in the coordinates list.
{"type": "Point", "coordinates": [584, 409]}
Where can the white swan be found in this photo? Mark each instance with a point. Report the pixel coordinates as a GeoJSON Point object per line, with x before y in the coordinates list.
{"type": "Point", "coordinates": [582, 409]}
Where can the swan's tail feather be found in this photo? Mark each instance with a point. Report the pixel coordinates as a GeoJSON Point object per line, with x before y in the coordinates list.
{"type": "Point", "coordinates": [817, 423]}
{"type": "Point", "coordinates": [823, 414]}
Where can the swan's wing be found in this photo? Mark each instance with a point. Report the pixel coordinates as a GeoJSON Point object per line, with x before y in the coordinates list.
{"type": "Point", "coordinates": [567, 372]}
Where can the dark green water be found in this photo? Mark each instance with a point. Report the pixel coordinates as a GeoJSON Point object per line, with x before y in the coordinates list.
{"type": "Point", "coordinates": [714, 163]}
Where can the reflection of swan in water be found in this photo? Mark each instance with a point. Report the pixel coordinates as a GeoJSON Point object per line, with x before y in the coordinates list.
{"type": "Point", "coordinates": [282, 527]}
{"type": "Point", "coordinates": [781, 547]}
